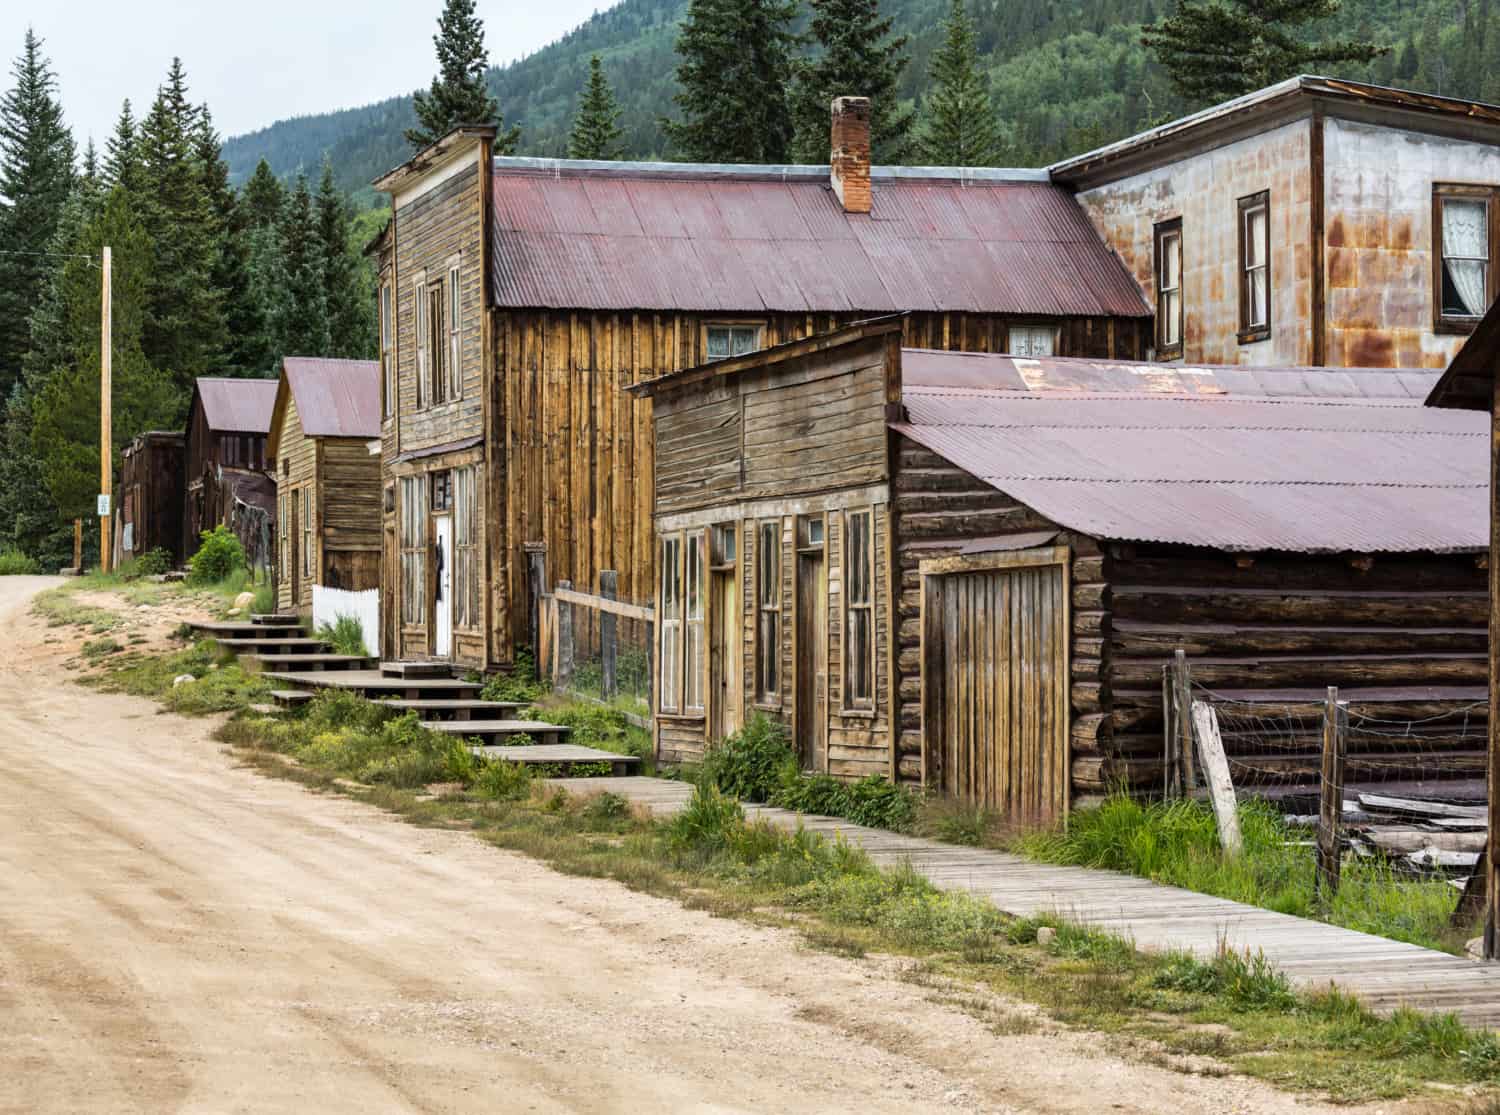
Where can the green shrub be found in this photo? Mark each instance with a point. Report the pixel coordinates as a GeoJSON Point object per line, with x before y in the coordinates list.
{"type": "Point", "coordinates": [753, 762]}
{"type": "Point", "coordinates": [153, 563]}
{"type": "Point", "coordinates": [265, 600]}
{"type": "Point", "coordinates": [707, 824]}
{"type": "Point", "coordinates": [98, 648]}
{"type": "Point", "coordinates": [519, 684]}
{"type": "Point", "coordinates": [1247, 980]}
{"type": "Point", "coordinates": [220, 555]}
{"type": "Point", "coordinates": [15, 563]}
{"type": "Point", "coordinates": [346, 635]}
{"type": "Point", "coordinates": [873, 801]}
{"type": "Point", "coordinates": [502, 781]}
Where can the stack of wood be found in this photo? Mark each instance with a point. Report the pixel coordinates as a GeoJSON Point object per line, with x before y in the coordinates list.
{"type": "Point", "coordinates": [1420, 836]}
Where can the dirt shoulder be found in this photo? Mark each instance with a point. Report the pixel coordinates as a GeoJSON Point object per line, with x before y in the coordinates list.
{"type": "Point", "coordinates": [179, 933]}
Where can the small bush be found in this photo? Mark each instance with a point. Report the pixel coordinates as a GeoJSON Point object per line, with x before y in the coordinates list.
{"type": "Point", "coordinates": [346, 635]}
{"type": "Point", "coordinates": [519, 684]}
{"type": "Point", "coordinates": [1249, 981]}
{"type": "Point", "coordinates": [265, 599]}
{"type": "Point", "coordinates": [220, 555]}
{"type": "Point", "coordinates": [752, 763]}
{"type": "Point", "coordinates": [98, 648]}
{"type": "Point", "coordinates": [15, 563]}
{"type": "Point", "coordinates": [502, 781]}
{"type": "Point", "coordinates": [153, 563]}
{"type": "Point", "coordinates": [707, 824]}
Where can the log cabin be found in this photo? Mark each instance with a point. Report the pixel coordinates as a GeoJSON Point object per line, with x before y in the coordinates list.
{"type": "Point", "coordinates": [520, 297]}
{"type": "Point", "coordinates": [226, 470]}
{"type": "Point", "coordinates": [966, 571]}
{"type": "Point", "coordinates": [151, 495]}
{"type": "Point", "coordinates": [325, 442]}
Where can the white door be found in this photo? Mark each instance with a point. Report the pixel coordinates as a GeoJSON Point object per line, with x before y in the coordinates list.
{"type": "Point", "coordinates": [442, 644]}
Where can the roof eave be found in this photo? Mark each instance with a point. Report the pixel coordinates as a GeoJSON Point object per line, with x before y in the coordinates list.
{"type": "Point", "coordinates": [433, 155]}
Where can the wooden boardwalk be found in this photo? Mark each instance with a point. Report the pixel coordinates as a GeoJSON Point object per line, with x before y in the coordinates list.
{"type": "Point", "coordinates": [1384, 974]}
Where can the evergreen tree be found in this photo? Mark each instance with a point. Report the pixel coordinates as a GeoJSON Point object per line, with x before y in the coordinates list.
{"type": "Point", "coordinates": [1217, 49]}
{"type": "Point", "coordinates": [122, 156]}
{"type": "Point", "coordinates": [458, 94]}
{"type": "Point", "coordinates": [1489, 88]}
{"type": "Point", "coordinates": [36, 176]}
{"type": "Point", "coordinates": [230, 274]}
{"type": "Point", "coordinates": [734, 62]}
{"type": "Point", "coordinates": [959, 127]}
{"type": "Point", "coordinates": [596, 125]}
{"type": "Point", "coordinates": [1406, 68]}
{"type": "Point", "coordinates": [304, 324]}
{"type": "Point", "coordinates": [856, 58]}
{"type": "Point", "coordinates": [1434, 74]}
{"type": "Point", "coordinates": [350, 318]}
{"type": "Point", "coordinates": [263, 197]}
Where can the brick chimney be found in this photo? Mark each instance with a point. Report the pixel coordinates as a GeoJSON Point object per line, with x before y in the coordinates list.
{"type": "Point", "coordinates": [850, 164]}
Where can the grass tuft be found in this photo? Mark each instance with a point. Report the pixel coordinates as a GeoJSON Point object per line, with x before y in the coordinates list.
{"type": "Point", "coordinates": [15, 563]}
{"type": "Point", "coordinates": [346, 635]}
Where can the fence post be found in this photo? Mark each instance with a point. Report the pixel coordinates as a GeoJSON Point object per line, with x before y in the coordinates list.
{"type": "Point", "coordinates": [609, 582]}
{"type": "Point", "coordinates": [536, 588]}
{"type": "Point", "coordinates": [1182, 684]}
{"type": "Point", "coordinates": [651, 666]}
{"type": "Point", "coordinates": [564, 638]}
{"type": "Point", "coordinates": [1169, 778]}
{"type": "Point", "coordinates": [1331, 806]}
{"type": "Point", "coordinates": [78, 545]}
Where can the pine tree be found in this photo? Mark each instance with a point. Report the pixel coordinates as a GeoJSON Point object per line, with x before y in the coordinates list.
{"type": "Point", "coordinates": [350, 316]}
{"type": "Point", "coordinates": [959, 127]}
{"type": "Point", "coordinates": [304, 325]}
{"type": "Point", "coordinates": [1217, 49]}
{"type": "Point", "coordinates": [857, 58]}
{"type": "Point", "coordinates": [230, 274]}
{"type": "Point", "coordinates": [262, 197]}
{"type": "Point", "coordinates": [1409, 63]}
{"type": "Point", "coordinates": [458, 94]}
{"type": "Point", "coordinates": [596, 126]}
{"type": "Point", "coordinates": [734, 63]}
{"type": "Point", "coordinates": [1434, 74]}
{"type": "Point", "coordinates": [122, 155]}
{"type": "Point", "coordinates": [36, 176]}
{"type": "Point", "coordinates": [1489, 89]}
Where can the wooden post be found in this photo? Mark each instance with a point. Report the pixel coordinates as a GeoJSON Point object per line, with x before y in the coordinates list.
{"type": "Point", "coordinates": [106, 418]}
{"type": "Point", "coordinates": [1335, 729]}
{"type": "Point", "coordinates": [536, 588]}
{"type": "Point", "coordinates": [1183, 686]}
{"type": "Point", "coordinates": [609, 587]}
{"type": "Point", "coordinates": [1492, 841]}
{"type": "Point", "coordinates": [651, 666]}
{"type": "Point", "coordinates": [1216, 772]}
{"type": "Point", "coordinates": [78, 545]}
{"type": "Point", "coordinates": [564, 639]}
{"type": "Point", "coordinates": [1170, 782]}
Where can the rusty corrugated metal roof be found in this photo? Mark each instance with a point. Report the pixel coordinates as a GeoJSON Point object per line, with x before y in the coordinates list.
{"type": "Point", "coordinates": [1302, 460]}
{"type": "Point", "coordinates": [240, 406]}
{"type": "Point", "coordinates": [574, 236]}
{"type": "Point", "coordinates": [335, 398]}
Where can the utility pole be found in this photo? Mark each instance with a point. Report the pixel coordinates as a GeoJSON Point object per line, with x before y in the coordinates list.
{"type": "Point", "coordinates": [106, 418]}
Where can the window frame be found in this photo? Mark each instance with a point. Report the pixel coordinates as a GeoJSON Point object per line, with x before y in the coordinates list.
{"type": "Point", "coordinates": [419, 334]}
{"type": "Point", "coordinates": [852, 703]}
{"type": "Point", "coordinates": [1251, 332]}
{"type": "Point", "coordinates": [437, 344]}
{"type": "Point", "coordinates": [412, 543]}
{"type": "Point", "coordinates": [1031, 327]}
{"type": "Point", "coordinates": [768, 613]}
{"type": "Point", "coordinates": [307, 530]}
{"type": "Point", "coordinates": [468, 606]}
{"type": "Point", "coordinates": [1159, 232]}
{"type": "Point", "coordinates": [384, 307]}
{"type": "Point", "coordinates": [694, 657]}
{"type": "Point", "coordinates": [455, 311]}
{"type": "Point", "coordinates": [755, 324]}
{"type": "Point", "coordinates": [1463, 191]}
{"type": "Point", "coordinates": [669, 684]}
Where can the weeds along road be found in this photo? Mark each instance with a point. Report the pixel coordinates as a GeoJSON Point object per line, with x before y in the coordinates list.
{"type": "Point", "coordinates": [180, 934]}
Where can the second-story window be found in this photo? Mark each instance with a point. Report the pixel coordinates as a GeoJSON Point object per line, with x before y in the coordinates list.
{"type": "Point", "coordinates": [1169, 289]}
{"type": "Point", "coordinates": [437, 346]}
{"type": "Point", "coordinates": [725, 340]}
{"type": "Point", "coordinates": [455, 324]}
{"type": "Point", "coordinates": [1463, 286]}
{"type": "Point", "coordinates": [768, 625]}
{"type": "Point", "coordinates": [387, 356]}
{"type": "Point", "coordinates": [419, 315]}
{"type": "Point", "coordinates": [1255, 267]}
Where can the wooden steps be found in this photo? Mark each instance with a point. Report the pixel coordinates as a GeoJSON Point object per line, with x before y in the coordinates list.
{"type": "Point", "coordinates": [301, 662]}
{"type": "Point", "coordinates": [274, 619]}
{"type": "Point", "coordinates": [231, 629]}
{"type": "Point", "coordinates": [416, 669]}
{"type": "Point", "coordinates": [445, 708]}
{"type": "Point", "coordinates": [290, 644]}
{"type": "Point", "coordinates": [497, 732]}
{"type": "Point", "coordinates": [291, 698]}
{"type": "Point", "coordinates": [565, 755]}
{"type": "Point", "coordinates": [371, 683]}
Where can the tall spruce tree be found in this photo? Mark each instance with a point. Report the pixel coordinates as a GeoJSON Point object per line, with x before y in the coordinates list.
{"type": "Point", "coordinates": [856, 57]}
{"type": "Point", "coordinates": [230, 274]}
{"type": "Point", "coordinates": [596, 125]}
{"type": "Point", "coordinates": [734, 63]}
{"type": "Point", "coordinates": [1213, 50]}
{"type": "Point", "coordinates": [304, 324]}
{"type": "Point", "coordinates": [459, 94]}
{"type": "Point", "coordinates": [959, 126]}
{"type": "Point", "coordinates": [262, 197]}
{"type": "Point", "coordinates": [350, 318]}
{"type": "Point", "coordinates": [36, 176]}
{"type": "Point", "coordinates": [122, 155]}
{"type": "Point", "coordinates": [1434, 72]}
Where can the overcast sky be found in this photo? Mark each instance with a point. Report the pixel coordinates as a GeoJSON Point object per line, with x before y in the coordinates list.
{"type": "Point", "coordinates": [259, 61]}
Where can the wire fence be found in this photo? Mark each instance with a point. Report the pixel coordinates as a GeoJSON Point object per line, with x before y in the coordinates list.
{"type": "Point", "coordinates": [599, 648]}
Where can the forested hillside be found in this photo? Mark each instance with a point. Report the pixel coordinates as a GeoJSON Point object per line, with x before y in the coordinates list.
{"type": "Point", "coordinates": [1065, 75]}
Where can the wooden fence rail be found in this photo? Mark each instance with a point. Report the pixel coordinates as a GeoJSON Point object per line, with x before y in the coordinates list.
{"type": "Point", "coordinates": [565, 615]}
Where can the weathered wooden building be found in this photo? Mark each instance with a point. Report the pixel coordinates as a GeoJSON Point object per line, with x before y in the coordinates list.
{"type": "Point", "coordinates": [1317, 221]}
{"type": "Point", "coordinates": [520, 297]}
{"type": "Point", "coordinates": [325, 442]}
{"type": "Point", "coordinates": [225, 466]}
{"type": "Point", "coordinates": [151, 495]}
{"type": "Point", "coordinates": [967, 570]}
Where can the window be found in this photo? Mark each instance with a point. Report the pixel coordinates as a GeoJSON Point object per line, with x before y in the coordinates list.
{"type": "Point", "coordinates": [859, 612]}
{"type": "Point", "coordinates": [436, 345]}
{"type": "Point", "coordinates": [466, 611]}
{"type": "Point", "coordinates": [671, 621]}
{"type": "Point", "coordinates": [419, 302]}
{"type": "Point", "coordinates": [1255, 267]}
{"type": "Point", "coordinates": [414, 550]}
{"type": "Point", "coordinates": [692, 698]}
{"type": "Point", "coordinates": [768, 618]}
{"type": "Point", "coordinates": [1169, 289]}
{"type": "Point", "coordinates": [1463, 287]}
{"type": "Point", "coordinates": [724, 545]}
{"type": "Point", "coordinates": [387, 357]}
{"type": "Point", "coordinates": [442, 491]}
{"type": "Point", "coordinates": [307, 531]}
{"type": "Point", "coordinates": [1031, 340]}
{"type": "Point", "coordinates": [723, 341]}
{"type": "Point", "coordinates": [455, 321]}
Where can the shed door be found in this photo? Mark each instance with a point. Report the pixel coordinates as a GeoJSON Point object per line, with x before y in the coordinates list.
{"type": "Point", "coordinates": [995, 686]}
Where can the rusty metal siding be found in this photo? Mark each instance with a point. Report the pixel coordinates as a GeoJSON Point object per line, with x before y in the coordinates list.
{"type": "Point", "coordinates": [335, 398]}
{"type": "Point", "coordinates": [1202, 189]}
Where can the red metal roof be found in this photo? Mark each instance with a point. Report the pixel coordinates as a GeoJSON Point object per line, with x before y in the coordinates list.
{"type": "Point", "coordinates": [335, 398]}
{"type": "Point", "coordinates": [1302, 460]}
{"type": "Point", "coordinates": [570, 236]}
{"type": "Point", "coordinates": [240, 406]}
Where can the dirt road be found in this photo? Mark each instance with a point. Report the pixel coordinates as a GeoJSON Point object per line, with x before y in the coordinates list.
{"type": "Point", "coordinates": [180, 934]}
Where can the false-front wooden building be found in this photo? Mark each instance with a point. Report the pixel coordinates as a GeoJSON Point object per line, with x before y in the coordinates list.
{"type": "Point", "coordinates": [325, 441]}
{"type": "Point", "coordinates": [520, 297]}
{"type": "Point", "coordinates": [968, 570]}
{"type": "Point", "coordinates": [151, 495]}
{"type": "Point", "coordinates": [226, 468]}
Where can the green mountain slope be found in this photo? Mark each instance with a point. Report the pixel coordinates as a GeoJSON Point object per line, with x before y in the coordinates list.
{"type": "Point", "coordinates": [1067, 75]}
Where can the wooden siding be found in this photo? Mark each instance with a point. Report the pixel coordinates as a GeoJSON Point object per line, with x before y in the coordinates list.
{"type": "Point", "coordinates": [151, 493]}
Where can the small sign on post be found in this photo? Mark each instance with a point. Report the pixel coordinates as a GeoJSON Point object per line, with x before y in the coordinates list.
{"type": "Point", "coordinates": [103, 506]}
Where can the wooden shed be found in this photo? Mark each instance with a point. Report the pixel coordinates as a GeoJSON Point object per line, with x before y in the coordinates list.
{"type": "Point", "coordinates": [151, 494]}
{"type": "Point", "coordinates": [226, 477]}
{"type": "Point", "coordinates": [968, 570]}
{"type": "Point", "coordinates": [325, 441]}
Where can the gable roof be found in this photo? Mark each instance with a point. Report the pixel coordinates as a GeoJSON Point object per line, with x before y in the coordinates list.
{"type": "Point", "coordinates": [717, 239]}
{"type": "Point", "coordinates": [236, 406]}
{"type": "Point", "coordinates": [335, 398]}
{"type": "Point", "coordinates": [1300, 460]}
{"type": "Point", "coordinates": [1469, 381]}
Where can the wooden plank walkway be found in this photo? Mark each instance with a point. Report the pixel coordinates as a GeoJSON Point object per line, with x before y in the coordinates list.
{"type": "Point", "coordinates": [1385, 974]}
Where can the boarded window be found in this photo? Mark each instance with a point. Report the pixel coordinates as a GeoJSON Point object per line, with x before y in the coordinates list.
{"type": "Point", "coordinates": [693, 627]}
{"type": "Point", "coordinates": [1255, 267]}
{"type": "Point", "coordinates": [387, 356]}
{"type": "Point", "coordinates": [414, 550]}
{"type": "Point", "coordinates": [455, 324]}
{"type": "Point", "coordinates": [859, 612]}
{"type": "Point", "coordinates": [1031, 340]}
{"type": "Point", "coordinates": [1169, 289]}
{"type": "Point", "coordinates": [437, 345]}
{"type": "Point", "coordinates": [768, 606]}
{"type": "Point", "coordinates": [671, 622]}
{"type": "Point", "coordinates": [466, 612]}
{"type": "Point", "coordinates": [1464, 240]}
{"type": "Point", "coordinates": [307, 531]}
{"type": "Point", "coordinates": [723, 341]}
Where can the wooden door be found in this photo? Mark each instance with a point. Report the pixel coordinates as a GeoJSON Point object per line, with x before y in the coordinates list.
{"type": "Point", "coordinates": [725, 671]}
{"type": "Point", "coordinates": [995, 685]}
{"type": "Point", "coordinates": [810, 663]}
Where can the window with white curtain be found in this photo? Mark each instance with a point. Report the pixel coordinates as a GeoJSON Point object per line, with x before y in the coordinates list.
{"type": "Point", "coordinates": [1031, 340]}
{"type": "Point", "coordinates": [1169, 289]}
{"type": "Point", "coordinates": [1463, 288]}
{"type": "Point", "coordinates": [1255, 267]}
